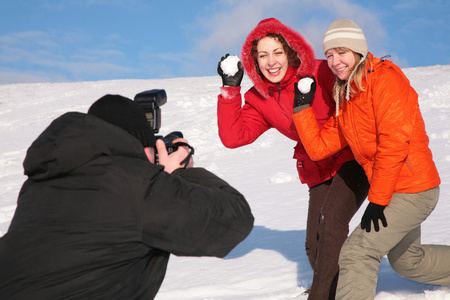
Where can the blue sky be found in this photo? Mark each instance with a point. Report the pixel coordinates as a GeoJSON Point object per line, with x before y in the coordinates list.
{"type": "Point", "coordinates": [85, 40]}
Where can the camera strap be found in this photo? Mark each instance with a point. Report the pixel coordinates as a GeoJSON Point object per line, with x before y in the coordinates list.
{"type": "Point", "coordinates": [185, 161]}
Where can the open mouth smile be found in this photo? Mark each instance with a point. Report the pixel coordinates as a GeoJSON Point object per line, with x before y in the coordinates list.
{"type": "Point", "coordinates": [274, 71]}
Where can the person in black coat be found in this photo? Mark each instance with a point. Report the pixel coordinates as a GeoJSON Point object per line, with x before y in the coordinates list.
{"type": "Point", "coordinates": [97, 219]}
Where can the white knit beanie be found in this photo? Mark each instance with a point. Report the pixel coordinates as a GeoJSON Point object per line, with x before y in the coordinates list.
{"type": "Point", "coordinates": [346, 34]}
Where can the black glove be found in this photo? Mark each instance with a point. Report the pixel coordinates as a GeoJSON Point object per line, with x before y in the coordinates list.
{"type": "Point", "coordinates": [374, 212]}
{"type": "Point", "coordinates": [227, 80]}
{"type": "Point", "coordinates": [302, 99]}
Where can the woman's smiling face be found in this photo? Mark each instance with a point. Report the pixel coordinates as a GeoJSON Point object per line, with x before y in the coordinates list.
{"type": "Point", "coordinates": [272, 59]}
{"type": "Point", "coordinates": [341, 62]}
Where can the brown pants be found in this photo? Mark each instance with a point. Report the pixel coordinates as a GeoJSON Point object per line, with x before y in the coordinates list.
{"type": "Point", "coordinates": [332, 205]}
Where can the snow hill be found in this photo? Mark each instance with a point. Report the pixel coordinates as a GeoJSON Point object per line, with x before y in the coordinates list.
{"type": "Point", "coordinates": [271, 263]}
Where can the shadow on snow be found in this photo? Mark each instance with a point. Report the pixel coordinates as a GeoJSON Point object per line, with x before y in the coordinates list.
{"type": "Point", "coordinates": [291, 243]}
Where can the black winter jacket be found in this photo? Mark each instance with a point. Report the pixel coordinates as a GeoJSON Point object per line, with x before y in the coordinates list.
{"type": "Point", "coordinates": [97, 220]}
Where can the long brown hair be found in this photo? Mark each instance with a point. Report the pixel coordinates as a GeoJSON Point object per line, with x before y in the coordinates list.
{"type": "Point", "coordinates": [292, 56]}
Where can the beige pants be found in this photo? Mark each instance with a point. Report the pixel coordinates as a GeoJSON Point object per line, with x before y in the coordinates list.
{"type": "Point", "coordinates": [361, 254]}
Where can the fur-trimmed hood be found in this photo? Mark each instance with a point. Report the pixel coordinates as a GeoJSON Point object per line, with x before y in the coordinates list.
{"type": "Point", "coordinates": [292, 37]}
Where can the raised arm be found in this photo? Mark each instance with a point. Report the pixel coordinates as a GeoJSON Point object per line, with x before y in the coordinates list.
{"type": "Point", "coordinates": [238, 125]}
{"type": "Point", "coordinates": [319, 144]}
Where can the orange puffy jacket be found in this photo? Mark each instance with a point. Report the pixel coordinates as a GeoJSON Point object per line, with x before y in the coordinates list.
{"type": "Point", "coordinates": [384, 128]}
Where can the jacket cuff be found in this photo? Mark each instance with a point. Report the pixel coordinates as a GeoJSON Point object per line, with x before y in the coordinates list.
{"type": "Point", "coordinates": [229, 92]}
{"type": "Point", "coordinates": [300, 108]}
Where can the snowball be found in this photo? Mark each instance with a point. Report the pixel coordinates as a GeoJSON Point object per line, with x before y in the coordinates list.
{"type": "Point", "coordinates": [304, 85]}
{"type": "Point", "coordinates": [230, 65]}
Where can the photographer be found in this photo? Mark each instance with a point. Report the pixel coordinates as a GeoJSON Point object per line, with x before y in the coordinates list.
{"type": "Point", "coordinates": [97, 219]}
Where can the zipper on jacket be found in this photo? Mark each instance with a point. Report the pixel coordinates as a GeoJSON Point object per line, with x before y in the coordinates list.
{"type": "Point", "coordinates": [409, 166]}
{"type": "Point", "coordinates": [384, 58]}
{"type": "Point", "coordinates": [278, 100]}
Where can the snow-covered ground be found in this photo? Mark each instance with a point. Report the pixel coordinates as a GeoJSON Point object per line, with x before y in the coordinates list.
{"type": "Point", "coordinates": [271, 263]}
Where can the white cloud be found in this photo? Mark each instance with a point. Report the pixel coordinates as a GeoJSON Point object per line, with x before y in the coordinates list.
{"type": "Point", "coordinates": [224, 28]}
{"type": "Point", "coordinates": [28, 38]}
{"type": "Point", "coordinates": [122, 4]}
{"type": "Point", "coordinates": [218, 28]}
{"type": "Point", "coordinates": [9, 76]}
{"type": "Point", "coordinates": [61, 55]}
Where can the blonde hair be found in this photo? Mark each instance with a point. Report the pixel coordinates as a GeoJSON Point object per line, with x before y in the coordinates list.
{"type": "Point", "coordinates": [343, 88]}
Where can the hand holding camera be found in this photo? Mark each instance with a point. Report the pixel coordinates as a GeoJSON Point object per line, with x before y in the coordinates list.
{"type": "Point", "coordinates": [180, 158]}
{"type": "Point", "coordinates": [172, 151]}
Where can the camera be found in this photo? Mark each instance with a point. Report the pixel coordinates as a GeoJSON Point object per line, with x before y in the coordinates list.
{"type": "Point", "coordinates": [168, 140]}
{"type": "Point", "coordinates": [151, 101]}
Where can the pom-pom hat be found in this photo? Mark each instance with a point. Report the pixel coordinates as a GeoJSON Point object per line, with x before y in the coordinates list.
{"type": "Point", "coordinates": [126, 114]}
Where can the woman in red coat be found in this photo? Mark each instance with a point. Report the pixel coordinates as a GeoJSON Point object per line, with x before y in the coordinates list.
{"type": "Point", "coordinates": [275, 57]}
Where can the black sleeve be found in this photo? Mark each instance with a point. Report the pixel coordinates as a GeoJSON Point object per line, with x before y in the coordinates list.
{"type": "Point", "coordinates": [192, 212]}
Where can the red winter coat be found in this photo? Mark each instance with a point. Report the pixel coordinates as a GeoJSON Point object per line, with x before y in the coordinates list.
{"type": "Point", "coordinates": [384, 128]}
{"type": "Point", "coordinates": [269, 105]}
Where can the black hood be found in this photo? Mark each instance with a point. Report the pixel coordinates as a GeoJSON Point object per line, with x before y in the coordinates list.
{"type": "Point", "coordinates": [74, 139]}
